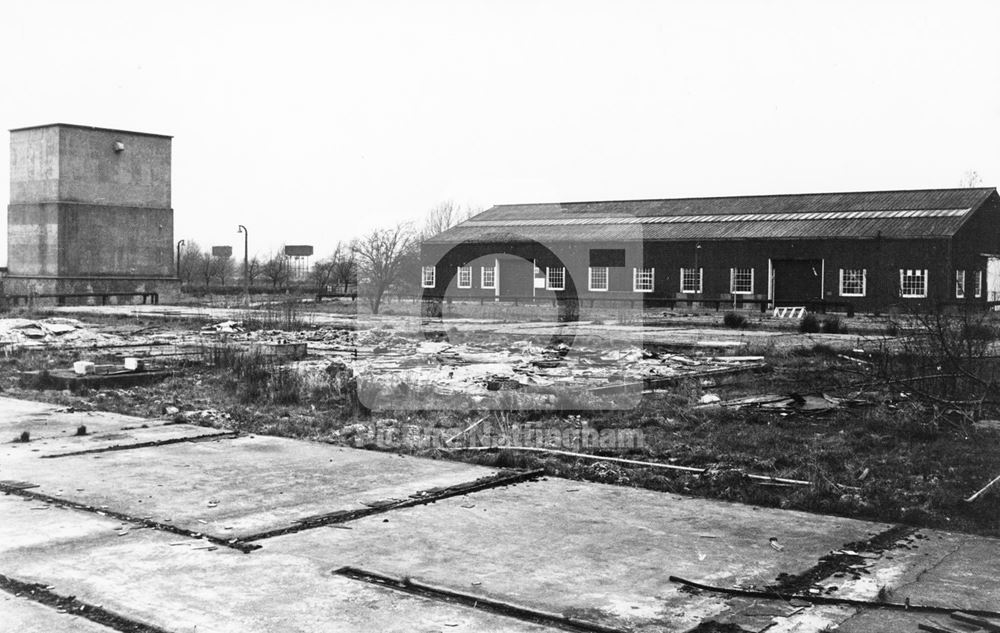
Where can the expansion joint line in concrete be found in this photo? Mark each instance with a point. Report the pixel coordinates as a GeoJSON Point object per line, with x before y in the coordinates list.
{"type": "Point", "coordinates": [440, 594]}
{"type": "Point", "coordinates": [128, 447]}
{"type": "Point", "coordinates": [20, 491]}
{"type": "Point", "coordinates": [815, 599]}
{"type": "Point", "coordinates": [503, 478]}
{"type": "Point", "coordinates": [39, 593]}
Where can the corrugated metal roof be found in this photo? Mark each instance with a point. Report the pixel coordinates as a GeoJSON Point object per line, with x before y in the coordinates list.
{"type": "Point", "coordinates": [893, 214]}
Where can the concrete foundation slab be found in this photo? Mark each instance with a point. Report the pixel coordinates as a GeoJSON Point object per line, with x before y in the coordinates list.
{"type": "Point", "coordinates": [933, 568]}
{"type": "Point", "coordinates": [237, 487]}
{"type": "Point", "coordinates": [47, 421]}
{"type": "Point", "coordinates": [181, 588]}
{"type": "Point", "coordinates": [24, 616]}
{"type": "Point", "coordinates": [48, 448]}
{"type": "Point", "coordinates": [29, 524]}
{"type": "Point", "coordinates": [66, 379]}
{"type": "Point", "coordinates": [599, 552]}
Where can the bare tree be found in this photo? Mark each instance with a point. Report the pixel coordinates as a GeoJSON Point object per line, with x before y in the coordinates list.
{"type": "Point", "coordinates": [444, 216]}
{"type": "Point", "coordinates": [253, 269]}
{"type": "Point", "coordinates": [275, 269]}
{"type": "Point", "coordinates": [206, 268]}
{"type": "Point", "coordinates": [190, 261]}
{"type": "Point", "coordinates": [380, 257]}
{"type": "Point", "coordinates": [323, 271]}
{"type": "Point", "coordinates": [970, 179]}
{"type": "Point", "coordinates": [345, 274]}
{"type": "Point", "coordinates": [223, 268]}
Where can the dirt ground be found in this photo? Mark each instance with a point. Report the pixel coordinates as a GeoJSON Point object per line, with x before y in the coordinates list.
{"type": "Point", "coordinates": [714, 411]}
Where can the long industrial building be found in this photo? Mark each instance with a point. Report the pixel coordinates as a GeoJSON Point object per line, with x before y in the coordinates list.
{"type": "Point", "coordinates": [871, 251]}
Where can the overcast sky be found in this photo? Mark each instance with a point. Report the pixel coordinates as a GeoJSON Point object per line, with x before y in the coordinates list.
{"type": "Point", "coordinates": [313, 122]}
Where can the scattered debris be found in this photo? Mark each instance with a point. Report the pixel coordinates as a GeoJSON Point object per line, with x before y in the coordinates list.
{"type": "Point", "coordinates": [809, 404]}
{"type": "Point", "coordinates": [466, 430]}
{"type": "Point", "coordinates": [622, 460]}
{"type": "Point", "coordinates": [983, 490]}
{"type": "Point", "coordinates": [225, 327]}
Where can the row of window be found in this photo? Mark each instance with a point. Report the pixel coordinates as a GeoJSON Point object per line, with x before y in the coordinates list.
{"type": "Point", "coordinates": [913, 284]}
{"type": "Point", "coordinates": [598, 279]}
{"type": "Point", "coordinates": [853, 282]}
{"type": "Point", "coordinates": [487, 277]}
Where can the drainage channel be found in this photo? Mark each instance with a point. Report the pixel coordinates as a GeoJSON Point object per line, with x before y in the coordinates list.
{"type": "Point", "coordinates": [246, 544]}
{"type": "Point", "coordinates": [128, 447]}
{"type": "Point", "coordinates": [499, 607]}
{"type": "Point", "coordinates": [41, 594]}
{"type": "Point", "coordinates": [21, 489]}
{"type": "Point", "coordinates": [500, 479]}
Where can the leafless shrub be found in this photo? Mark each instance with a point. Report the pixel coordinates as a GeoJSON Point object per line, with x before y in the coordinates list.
{"type": "Point", "coordinates": [285, 316]}
{"type": "Point", "coordinates": [950, 360]}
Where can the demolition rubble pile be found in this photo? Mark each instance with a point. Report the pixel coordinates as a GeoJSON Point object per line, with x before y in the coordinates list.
{"type": "Point", "coordinates": [470, 368]}
{"type": "Point", "coordinates": [18, 333]}
{"type": "Point", "coordinates": [459, 364]}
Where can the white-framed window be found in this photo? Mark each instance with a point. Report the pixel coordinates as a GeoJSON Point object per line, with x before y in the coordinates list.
{"type": "Point", "coordinates": [977, 278]}
{"type": "Point", "coordinates": [598, 278]}
{"type": "Point", "coordinates": [642, 280]}
{"type": "Point", "coordinates": [488, 278]}
{"type": "Point", "coordinates": [555, 278]}
{"type": "Point", "coordinates": [741, 281]}
{"type": "Point", "coordinates": [691, 279]}
{"type": "Point", "coordinates": [853, 282]}
{"type": "Point", "coordinates": [428, 276]}
{"type": "Point", "coordinates": [912, 283]}
{"type": "Point", "coordinates": [465, 276]}
{"type": "Point", "coordinates": [959, 284]}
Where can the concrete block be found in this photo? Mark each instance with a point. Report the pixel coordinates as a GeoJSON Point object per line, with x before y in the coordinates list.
{"type": "Point", "coordinates": [83, 367]}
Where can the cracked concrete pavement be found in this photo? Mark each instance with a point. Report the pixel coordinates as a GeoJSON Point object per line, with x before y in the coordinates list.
{"type": "Point", "coordinates": [601, 555]}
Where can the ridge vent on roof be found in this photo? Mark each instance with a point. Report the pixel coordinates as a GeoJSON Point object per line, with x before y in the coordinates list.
{"type": "Point", "coordinates": [744, 217]}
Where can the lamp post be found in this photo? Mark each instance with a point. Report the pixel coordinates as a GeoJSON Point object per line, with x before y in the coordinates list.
{"type": "Point", "coordinates": [246, 260]}
{"type": "Point", "coordinates": [179, 244]}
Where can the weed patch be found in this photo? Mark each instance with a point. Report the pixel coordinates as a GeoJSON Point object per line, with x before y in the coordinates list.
{"type": "Point", "coordinates": [734, 320]}
{"type": "Point", "coordinates": [809, 324]}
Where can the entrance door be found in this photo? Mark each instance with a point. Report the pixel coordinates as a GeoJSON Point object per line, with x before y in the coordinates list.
{"type": "Point", "coordinates": [993, 279]}
{"type": "Point", "coordinates": [797, 281]}
{"type": "Point", "coordinates": [516, 277]}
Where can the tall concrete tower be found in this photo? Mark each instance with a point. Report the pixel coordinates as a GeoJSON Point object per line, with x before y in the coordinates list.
{"type": "Point", "coordinates": [89, 211]}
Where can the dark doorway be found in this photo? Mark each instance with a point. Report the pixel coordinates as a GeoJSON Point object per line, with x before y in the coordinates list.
{"type": "Point", "coordinates": [517, 277]}
{"type": "Point", "coordinates": [797, 281]}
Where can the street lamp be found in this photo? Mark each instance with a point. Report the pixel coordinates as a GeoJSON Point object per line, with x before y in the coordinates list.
{"type": "Point", "coordinates": [246, 260]}
{"type": "Point", "coordinates": [179, 244]}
